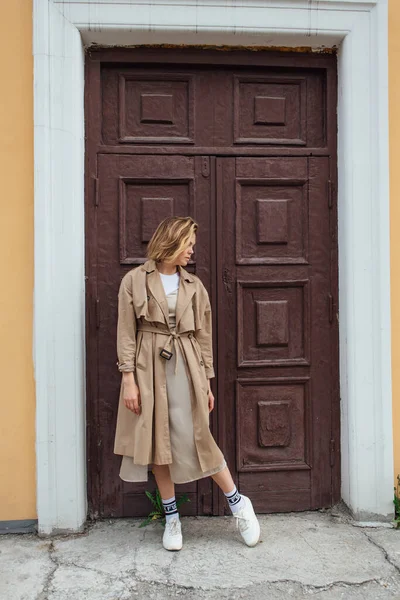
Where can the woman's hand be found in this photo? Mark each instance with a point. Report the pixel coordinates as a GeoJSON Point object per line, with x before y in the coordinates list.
{"type": "Point", "coordinates": [131, 394]}
{"type": "Point", "coordinates": [211, 400]}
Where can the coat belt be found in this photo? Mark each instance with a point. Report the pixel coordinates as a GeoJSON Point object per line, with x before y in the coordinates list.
{"type": "Point", "coordinates": [173, 339]}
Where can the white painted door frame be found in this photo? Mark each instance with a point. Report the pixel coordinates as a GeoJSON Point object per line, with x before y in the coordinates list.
{"type": "Point", "coordinates": [359, 29]}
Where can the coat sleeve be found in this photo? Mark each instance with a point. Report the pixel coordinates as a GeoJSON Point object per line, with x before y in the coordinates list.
{"type": "Point", "coordinates": [126, 329]}
{"type": "Point", "coordinates": [204, 336]}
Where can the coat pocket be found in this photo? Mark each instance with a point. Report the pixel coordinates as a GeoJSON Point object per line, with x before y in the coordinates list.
{"type": "Point", "coordinates": [197, 349]}
{"type": "Point", "coordinates": [139, 354]}
{"type": "Point", "coordinates": [203, 376]}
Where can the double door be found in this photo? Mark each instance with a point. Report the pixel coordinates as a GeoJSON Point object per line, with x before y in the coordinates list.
{"type": "Point", "coordinates": [266, 253]}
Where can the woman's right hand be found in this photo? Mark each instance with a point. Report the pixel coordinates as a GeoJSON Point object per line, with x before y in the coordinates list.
{"type": "Point", "coordinates": [131, 394]}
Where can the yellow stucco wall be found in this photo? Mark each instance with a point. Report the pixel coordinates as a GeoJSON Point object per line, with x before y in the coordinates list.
{"type": "Point", "coordinates": [17, 401]}
{"type": "Point", "coordinates": [394, 133]}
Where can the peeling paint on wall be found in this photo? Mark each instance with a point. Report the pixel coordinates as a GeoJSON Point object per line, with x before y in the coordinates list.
{"type": "Point", "coordinates": [298, 49]}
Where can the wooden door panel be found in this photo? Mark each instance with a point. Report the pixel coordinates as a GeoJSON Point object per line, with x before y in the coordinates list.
{"type": "Point", "coordinates": [148, 107]}
{"type": "Point", "coordinates": [273, 424]}
{"type": "Point", "coordinates": [135, 194]}
{"type": "Point", "coordinates": [276, 352]}
{"type": "Point", "coordinates": [272, 323]}
{"type": "Point", "coordinates": [272, 197]}
{"type": "Point", "coordinates": [158, 106]}
{"type": "Point", "coordinates": [279, 107]}
{"type": "Point", "coordinates": [271, 110]}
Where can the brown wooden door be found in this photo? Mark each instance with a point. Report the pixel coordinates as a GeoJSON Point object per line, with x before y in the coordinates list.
{"type": "Point", "coordinates": [274, 323]}
{"type": "Point", "coordinates": [246, 144]}
{"type": "Point", "coordinates": [135, 194]}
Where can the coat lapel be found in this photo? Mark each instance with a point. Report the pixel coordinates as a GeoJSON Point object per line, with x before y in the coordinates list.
{"type": "Point", "coordinates": [156, 288]}
{"type": "Point", "coordinates": [185, 294]}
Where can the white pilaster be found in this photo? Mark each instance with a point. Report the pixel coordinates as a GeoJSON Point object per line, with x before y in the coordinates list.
{"type": "Point", "coordinates": [59, 332]}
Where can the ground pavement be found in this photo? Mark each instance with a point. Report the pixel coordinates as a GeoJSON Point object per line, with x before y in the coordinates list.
{"type": "Point", "coordinates": [321, 555]}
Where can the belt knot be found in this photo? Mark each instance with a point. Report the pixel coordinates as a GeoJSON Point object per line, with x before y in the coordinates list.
{"type": "Point", "coordinates": [173, 339]}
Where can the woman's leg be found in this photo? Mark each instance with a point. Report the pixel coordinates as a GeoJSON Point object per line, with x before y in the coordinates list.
{"type": "Point", "coordinates": [240, 506]}
{"type": "Point", "coordinates": [164, 482]}
{"type": "Point", "coordinates": [224, 480]}
{"type": "Point", "coordinates": [172, 538]}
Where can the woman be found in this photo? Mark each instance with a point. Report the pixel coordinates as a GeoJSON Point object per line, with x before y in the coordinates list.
{"type": "Point", "coordinates": [164, 345]}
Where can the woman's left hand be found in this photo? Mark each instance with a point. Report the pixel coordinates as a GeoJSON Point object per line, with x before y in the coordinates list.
{"type": "Point", "coordinates": [210, 401]}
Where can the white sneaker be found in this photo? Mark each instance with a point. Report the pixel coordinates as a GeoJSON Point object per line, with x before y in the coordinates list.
{"type": "Point", "coordinates": [172, 538]}
{"type": "Point", "coordinates": [247, 523]}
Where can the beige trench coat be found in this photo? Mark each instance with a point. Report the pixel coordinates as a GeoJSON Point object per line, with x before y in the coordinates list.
{"type": "Point", "coordinates": [143, 331]}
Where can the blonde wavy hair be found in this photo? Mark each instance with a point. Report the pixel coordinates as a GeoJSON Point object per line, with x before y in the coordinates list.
{"type": "Point", "coordinates": [170, 238]}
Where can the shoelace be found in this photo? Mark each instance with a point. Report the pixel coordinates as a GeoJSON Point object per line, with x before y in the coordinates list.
{"type": "Point", "coordinates": [244, 521]}
{"type": "Point", "coordinates": [173, 526]}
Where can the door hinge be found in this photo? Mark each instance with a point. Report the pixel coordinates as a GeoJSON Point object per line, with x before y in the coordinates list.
{"type": "Point", "coordinates": [331, 193]}
{"type": "Point", "coordinates": [96, 191]}
{"type": "Point", "coordinates": [330, 307]}
{"type": "Point", "coordinates": [332, 452]}
{"type": "Point", "coordinates": [205, 166]}
{"type": "Point", "coordinates": [98, 450]}
{"type": "Point", "coordinates": [97, 313]}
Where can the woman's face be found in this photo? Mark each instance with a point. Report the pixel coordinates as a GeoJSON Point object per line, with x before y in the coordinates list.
{"type": "Point", "coordinates": [184, 257]}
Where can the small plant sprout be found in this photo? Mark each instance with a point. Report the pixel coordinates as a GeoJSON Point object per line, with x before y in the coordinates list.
{"type": "Point", "coordinates": [157, 514]}
{"type": "Point", "coordinates": [396, 502]}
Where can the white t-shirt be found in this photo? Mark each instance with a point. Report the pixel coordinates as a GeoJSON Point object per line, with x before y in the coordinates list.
{"type": "Point", "coordinates": [170, 282]}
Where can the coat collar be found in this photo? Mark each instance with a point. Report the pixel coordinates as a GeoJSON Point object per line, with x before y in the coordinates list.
{"type": "Point", "coordinates": [150, 266]}
{"type": "Point", "coordinates": [185, 292]}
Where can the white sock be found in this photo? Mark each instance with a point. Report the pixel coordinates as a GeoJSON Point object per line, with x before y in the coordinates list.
{"type": "Point", "coordinates": [235, 500]}
{"type": "Point", "coordinates": [170, 509]}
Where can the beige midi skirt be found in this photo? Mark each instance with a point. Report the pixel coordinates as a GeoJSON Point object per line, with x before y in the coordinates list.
{"type": "Point", "coordinates": [185, 466]}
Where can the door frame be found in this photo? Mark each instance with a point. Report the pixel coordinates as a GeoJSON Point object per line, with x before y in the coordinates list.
{"type": "Point", "coordinates": [358, 28]}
